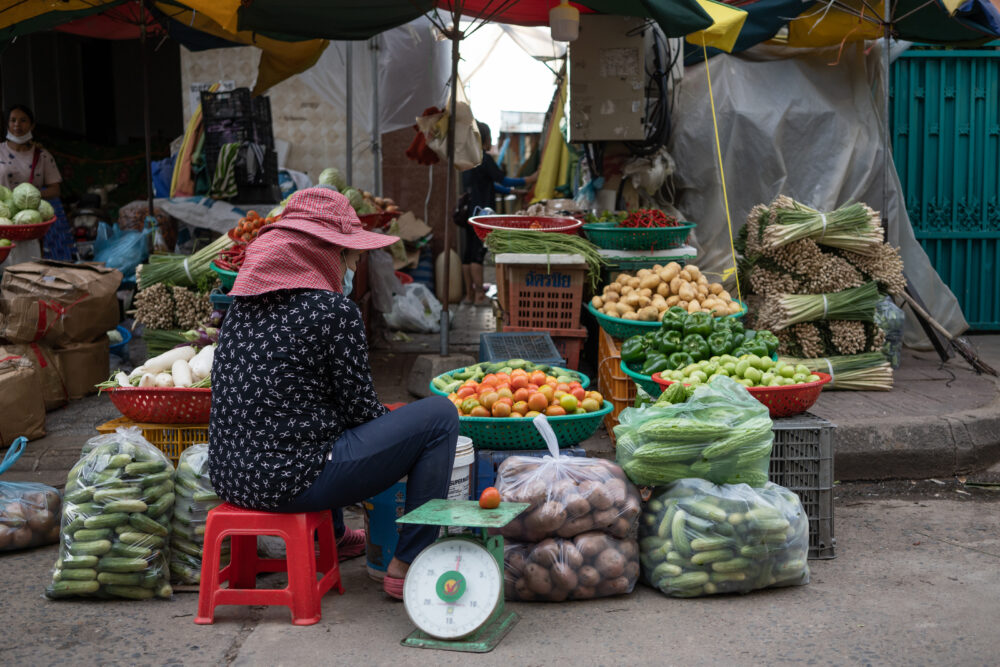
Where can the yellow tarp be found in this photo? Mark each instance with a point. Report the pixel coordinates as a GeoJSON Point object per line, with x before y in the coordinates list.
{"type": "Point", "coordinates": [723, 33]}
{"type": "Point", "coordinates": [817, 27]}
{"type": "Point", "coordinates": [553, 170]}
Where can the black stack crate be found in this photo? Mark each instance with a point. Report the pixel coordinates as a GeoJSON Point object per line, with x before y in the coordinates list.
{"type": "Point", "coordinates": [235, 116]}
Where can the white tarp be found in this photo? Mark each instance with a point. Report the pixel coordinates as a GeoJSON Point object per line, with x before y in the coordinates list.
{"type": "Point", "coordinates": [792, 122]}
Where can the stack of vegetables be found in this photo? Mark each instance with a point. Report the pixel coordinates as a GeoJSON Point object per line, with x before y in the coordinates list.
{"type": "Point", "coordinates": [577, 540]}
{"type": "Point", "coordinates": [521, 394]}
{"type": "Point", "coordinates": [195, 498]}
{"type": "Point", "coordinates": [165, 307]}
{"type": "Point", "coordinates": [185, 366]}
{"type": "Point", "coordinates": [516, 241]}
{"type": "Point", "coordinates": [816, 278]}
{"type": "Point", "coordinates": [24, 206]}
{"type": "Point", "coordinates": [646, 295]}
{"type": "Point", "coordinates": [643, 218]}
{"type": "Point", "coordinates": [686, 338]}
{"type": "Point", "coordinates": [452, 380]}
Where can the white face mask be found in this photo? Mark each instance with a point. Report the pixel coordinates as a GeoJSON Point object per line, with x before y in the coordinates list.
{"type": "Point", "coordinates": [23, 139]}
{"type": "Point", "coordinates": [348, 282]}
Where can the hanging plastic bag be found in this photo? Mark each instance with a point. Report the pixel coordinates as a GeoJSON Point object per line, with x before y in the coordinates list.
{"type": "Point", "coordinates": [116, 522]}
{"type": "Point", "coordinates": [468, 142]}
{"type": "Point", "coordinates": [416, 309]}
{"type": "Point", "coordinates": [122, 250]}
{"type": "Point", "coordinates": [722, 434]}
{"type": "Point", "coordinates": [195, 498]}
{"type": "Point", "coordinates": [591, 565]}
{"type": "Point", "coordinates": [568, 495]}
{"type": "Point", "coordinates": [697, 538]}
{"type": "Point", "coordinates": [891, 319]}
{"type": "Point", "coordinates": [29, 512]}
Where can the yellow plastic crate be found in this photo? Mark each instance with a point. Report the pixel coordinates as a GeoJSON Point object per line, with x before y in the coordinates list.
{"type": "Point", "coordinates": [171, 439]}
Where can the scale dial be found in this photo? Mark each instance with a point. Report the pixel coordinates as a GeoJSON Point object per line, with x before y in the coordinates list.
{"type": "Point", "coordinates": [452, 588]}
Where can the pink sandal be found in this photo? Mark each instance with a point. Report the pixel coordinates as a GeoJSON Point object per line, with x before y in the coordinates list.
{"type": "Point", "coordinates": [393, 587]}
{"type": "Point", "coordinates": [351, 544]}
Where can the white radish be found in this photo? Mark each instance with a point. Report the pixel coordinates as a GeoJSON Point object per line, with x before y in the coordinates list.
{"type": "Point", "coordinates": [201, 365]}
{"type": "Point", "coordinates": [166, 360]}
{"type": "Point", "coordinates": [181, 374]}
{"type": "Point", "coordinates": [164, 380]}
{"type": "Point", "coordinates": [122, 380]}
{"type": "Point", "coordinates": [137, 372]}
{"type": "Point", "coordinates": [147, 380]}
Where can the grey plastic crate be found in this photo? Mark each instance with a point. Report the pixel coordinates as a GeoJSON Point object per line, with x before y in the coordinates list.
{"type": "Point", "coordinates": [802, 461]}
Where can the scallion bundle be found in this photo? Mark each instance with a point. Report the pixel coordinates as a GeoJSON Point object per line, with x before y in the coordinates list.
{"type": "Point", "coordinates": [547, 243]}
{"type": "Point", "coordinates": [854, 227]}
{"type": "Point", "coordinates": [784, 310]}
{"type": "Point", "coordinates": [855, 372]}
{"type": "Point", "coordinates": [189, 271]}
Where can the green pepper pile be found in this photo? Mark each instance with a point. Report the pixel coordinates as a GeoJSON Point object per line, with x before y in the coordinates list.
{"type": "Point", "coordinates": [686, 338]}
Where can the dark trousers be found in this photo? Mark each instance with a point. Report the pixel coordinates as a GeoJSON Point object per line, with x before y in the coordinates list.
{"type": "Point", "coordinates": [417, 441]}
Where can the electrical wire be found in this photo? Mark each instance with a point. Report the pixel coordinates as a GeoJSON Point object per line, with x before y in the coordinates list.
{"type": "Point", "coordinates": [659, 102]}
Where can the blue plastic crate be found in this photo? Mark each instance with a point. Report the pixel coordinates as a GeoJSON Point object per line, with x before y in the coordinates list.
{"type": "Point", "coordinates": [535, 346]}
{"type": "Point", "coordinates": [488, 460]}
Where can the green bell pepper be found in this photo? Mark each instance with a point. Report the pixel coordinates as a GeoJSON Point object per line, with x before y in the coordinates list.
{"type": "Point", "coordinates": [674, 318]}
{"type": "Point", "coordinates": [770, 340]}
{"type": "Point", "coordinates": [698, 323]}
{"type": "Point", "coordinates": [720, 343]}
{"type": "Point", "coordinates": [696, 346]}
{"type": "Point", "coordinates": [679, 360]}
{"type": "Point", "coordinates": [754, 346]}
{"type": "Point", "coordinates": [668, 342]}
{"type": "Point", "coordinates": [634, 350]}
{"type": "Point", "coordinates": [655, 362]}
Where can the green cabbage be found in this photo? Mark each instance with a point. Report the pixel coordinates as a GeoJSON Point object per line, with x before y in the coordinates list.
{"type": "Point", "coordinates": [6, 221]}
{"type": "Point", "coordinates": [26, 196]}
{"type": "Point", "coordinates": [46, 211]}
{"type": "Point", "coordinates": [27, 217]}
{"type": "Point", "coordinates": [5, 210]}
{"type": "Point", "coordinates": [332, 176]}
{"type": "Point", "coordinates": [355, 197]}
{"type": "Point", "coordinates": [5, 193]}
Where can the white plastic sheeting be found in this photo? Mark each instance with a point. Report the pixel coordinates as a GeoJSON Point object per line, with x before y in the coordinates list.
{"type": "Point", "coordinates": [794, 123]}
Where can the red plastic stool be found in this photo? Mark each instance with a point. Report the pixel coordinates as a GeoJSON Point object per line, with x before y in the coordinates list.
{"type": "Point", "coordinates": [303, 593]}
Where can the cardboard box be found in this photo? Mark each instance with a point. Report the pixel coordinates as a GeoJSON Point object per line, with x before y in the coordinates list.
{"type": "Point", "coordinates": [59, 303]}
{"type": "Point", "coordinates": [21, 404]}
{"type": "Point", "coordinates": [40, 355]}
{"type": "Point", "coordinates": [83, 365]}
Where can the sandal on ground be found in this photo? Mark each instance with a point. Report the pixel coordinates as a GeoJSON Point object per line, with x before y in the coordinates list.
{"type": "Point", "coordinates": [351, 544]}
{"type": "Point", "coordinates": [393, 587]}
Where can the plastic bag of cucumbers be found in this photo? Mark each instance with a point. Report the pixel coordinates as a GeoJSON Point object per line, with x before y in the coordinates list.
{"type": "Point", "coordinates": [195, 497]}
{"type": "Point", "coordinates": [115, 533]}
{"type": "Point", "coordinates": [722, 434]}
{"type": "Point", "coordinates": [697, 538]}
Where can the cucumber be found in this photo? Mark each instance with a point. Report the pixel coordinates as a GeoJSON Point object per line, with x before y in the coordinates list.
{"type": "Point", "coordinates": [733, 565]}
{"type": "Point", "coordinates": [98, 548]}
{"type": "Point", "coordinates": [710, 543]}
{"type": "Point", "coordinates": [119, 493]}
{"type": "Point", "coordinates": [164, 591]}
{"type": "Point", "coordinates": [719, 577]}
{"type": "Point", "coordinates": [108, 477]}
{"type": "Point", "coordinates": [665, 570]}
{"type": "Point", "coordinates": [677, 528]}
{"type": "Point", "coordinates": [127, 506]}
{"type": "Point", "coordinates": [75, 524]}
{"type": "Point", "coordinates": [184, 546]}
{"type": "Point", "coordinates": [651, 542]}
{"type": "Point", "coordinates": [158, 478]}
{"type": "Point", "coordinates": [117, 564]}
{"type": "Point", "coordinates": [80, 574]}
{"type": "Point", "coordinates": [161, 505]}
{"type": "Point", "coordinates": [129, 551]}
{"type": "Point", "coordinates": [771, 525]}
{"type": "Point", "coordinates": [154, 493]}
{"type": "Point", "coordinates": [688, 580]}
{"type": "Point", "coordinates": [130, 592]}
{"type": "Point", "coordinates": [706, 557]}
{"type": "Point", "coordinates": [145, 467]}
{"type": "Point", "coordinates": [105, 520]}
{"type": "Point", "coordinates": [754, 551]}
{"type": "Point", "coordinates": [185, 573]}
{"type": "Point", "coordinates": [150, 577]}
{"type": "Point", "coordinates": [119, 579]}
{"type": "Point", "coordinates": [65, 589]}
{"type": "Point", "coordinates": [792, 566]}
{"type": "Point", "coordinates": [73, 562]}
{"type": "Point", "coordinates": [206, 497]}
{"type": "Point", "coordinates": [91, 534]}
{"type": "Point", "coordinates": [667, 521]}
{"type": "Point", "coordinates": [141, 540]}
{"type": "Point", "coordinates": [79, 495]}
{"type": "Point", "coordinates": [118, 461]}
{"type": "Point", "coordinates": [144, 524]}
{"type": "Point", "coordinates": [83, 509]}
{"type": "Point", "coordinates": [704, 510]}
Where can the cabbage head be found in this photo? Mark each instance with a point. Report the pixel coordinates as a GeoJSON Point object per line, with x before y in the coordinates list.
{"type": "Point", "coordinates": [45, 210]}
{"type": "Point", "coordinates": [5, 211]}
{"type": "Point", "coordinates": [26, 196]}
{"type": "Point", "coordinates": [332, 176]}
{"type": "Point", "coordinates": [27, 217]}
{"type": "Point", "coordinates": [5, 194]}
{"type": "Point", "coordinates": [6, 221]}
{"type": "Point", "coordinates": [276, 211]}
{"type": "Point", "coordinates": [355, 197]}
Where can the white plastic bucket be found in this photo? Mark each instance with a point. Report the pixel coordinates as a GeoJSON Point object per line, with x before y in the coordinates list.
{"type": "Point", "coordinates": [382, 510]}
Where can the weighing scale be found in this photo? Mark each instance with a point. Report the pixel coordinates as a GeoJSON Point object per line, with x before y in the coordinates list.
{"type": "Point", "coordinates": [454, 591]}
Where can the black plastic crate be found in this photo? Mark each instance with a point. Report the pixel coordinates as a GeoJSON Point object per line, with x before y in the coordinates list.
{"type": "Point", "coordinates": [536, 347]}
{"type": "Point", "coordinates": [266, 176]}
{"type": "Point", "coordinates": [263, 132]}
{"type": "Point", "coordinates": [227, 104]}
{"type": "Point", "coordinates": [802, 461]}
{"type": "Point", "coordinates": [222, 132]}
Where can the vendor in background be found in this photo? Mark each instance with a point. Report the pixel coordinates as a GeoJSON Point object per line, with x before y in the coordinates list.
{"type": "Point", "coordinates": [296, 425]}
{"type": "Point", "coordinates": [22, 160]}
{"type": "Point", "coordinates": [481, 183]}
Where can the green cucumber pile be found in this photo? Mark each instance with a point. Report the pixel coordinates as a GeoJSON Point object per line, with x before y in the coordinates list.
{"type": "Point", "coordinates": [749, 370]}
{"type": "Point", "coordinates": [195, 497]}
{"type": "Point", "coordinates": [115, 530]}
{"type": "Point", "coordinates": [449, 382]}
{"type": "Point", "coordinates": [697, 539]}
{"type": "Point", "coordinates": [720, 433]}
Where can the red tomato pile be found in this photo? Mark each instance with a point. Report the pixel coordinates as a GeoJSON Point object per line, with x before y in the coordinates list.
{"type": "Point", "coordinates": [523, 394]}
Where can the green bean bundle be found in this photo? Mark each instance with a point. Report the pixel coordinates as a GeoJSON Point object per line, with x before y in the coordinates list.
{"type": "Point", "coordinates": [535, 242]}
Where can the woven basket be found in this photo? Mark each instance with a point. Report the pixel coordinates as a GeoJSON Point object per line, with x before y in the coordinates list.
{"type": "Point", "coordinates": [5, 250]}
{"type": "Point", "coordinates": [26, 232]}
{"type": "Point", "coordinates": [612, 237]}
{"type": "Point", "coordinates": [520, 433]}
{"type": "Point", "coordinates": [226, 277]}
{"type": "Point", "coordinates": [163, 405]}
{"type": "Point", "coordinates": [484, 224]}
{"type": "Point", "coordinates": [644, 381]}
{"type": "Point", "coordinates": [784, 401]}
{"type": "Point", "coordinates": [619, 328]}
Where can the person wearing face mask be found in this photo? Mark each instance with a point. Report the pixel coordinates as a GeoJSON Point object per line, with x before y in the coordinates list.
{"type": "Point", "coordinates": [296, 425]}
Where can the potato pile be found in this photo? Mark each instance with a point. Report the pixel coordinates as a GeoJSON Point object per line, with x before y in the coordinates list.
{"type": "Point", "coordinates": [590, 565]}
{"type": "Point", "coordinates": [29, 515]}
{"type": "Point", "coordinates": [647, 294]}
{"type": "Point", "coordinates": [568, 496]}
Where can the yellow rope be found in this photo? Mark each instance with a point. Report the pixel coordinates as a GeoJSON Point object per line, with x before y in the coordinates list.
{"type": "Point", "coordinates": [722, 172]}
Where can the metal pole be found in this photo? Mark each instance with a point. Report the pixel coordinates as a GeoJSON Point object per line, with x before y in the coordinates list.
{"type": "Point", "coordinates": [349, 123]}
{"type": "Point", "coordinates": [376, 125]}
{"type": "Point", "coordinates": [145, 106]}
{"type": "Point", "coordinates": [886, 146]}
{"type": "Point", "coordinates": [445, 320]}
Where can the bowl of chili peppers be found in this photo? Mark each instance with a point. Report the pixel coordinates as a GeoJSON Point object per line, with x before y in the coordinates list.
{"type": "Point", "coordinates": [641, 229]}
